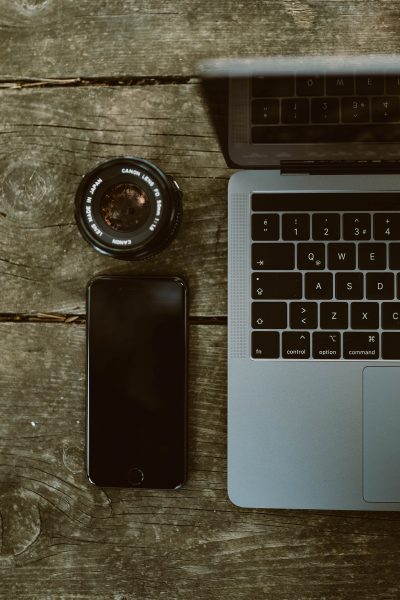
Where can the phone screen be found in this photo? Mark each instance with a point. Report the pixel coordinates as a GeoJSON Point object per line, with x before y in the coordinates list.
{"type": "Point", "coordinates": [136, 407]}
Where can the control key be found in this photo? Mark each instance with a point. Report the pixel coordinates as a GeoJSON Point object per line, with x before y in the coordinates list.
{"type": "Point", "coordinates": [295, 344]}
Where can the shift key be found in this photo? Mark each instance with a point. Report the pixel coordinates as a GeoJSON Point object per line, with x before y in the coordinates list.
{"type": "Point", "coordinates": [275, 286]}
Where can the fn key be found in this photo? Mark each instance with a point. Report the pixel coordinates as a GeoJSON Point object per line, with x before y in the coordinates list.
{"type": "Point", "coordinates": [265, 344]}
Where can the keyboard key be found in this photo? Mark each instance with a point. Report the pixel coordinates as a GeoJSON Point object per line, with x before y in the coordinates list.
{"type": "Point", "coordinates": [303, 315]}
{"type": "Point", "coordinates": [341, 256]}
{"type": "Point", "coordinates": [295, 344]}
{"type": "Point", "coordinates": [326, 226]}
{"type": "Point", "coordinates": [394, 256]}
{"type": "Point", "coordinates": [273, 86]}
{"type": "Point", "coordinates": [372, 256]}
{"type": "Point", "coordinates": [361, 345]}
{"type": "Point", "coordinates": [340, 85]}
{"type": "Point", "coordinates": [319, 286]}
{"type": "Point", "coordinates": [387, 226]}
{"type": "Point", "coordinates": [385, 109]}
{"type": "Point", "coordinates": [398, 284]}
{"type": "Point", "coordinates": [272, 256]}
{"type": "Point", "coordinates": [355, 110]}
{"type": "Point", "coordinates": [265, 227]}
{"type": "Point", "coordinates": [277, 286]}
{"type": "Point", "coordinates": [311, 256]}
{"type": "Point", "coordinates": [265, 344]}
{"type": "Point", "coordinates": [303, 134]}
{"type": "Point", "coordinates": [393, 84]}
{"type": "Point", "coordinates": [349, 286]}
{"type": "Point", "coordinates": [364, 315]}
{"type": "Point", "coordinates": [269, 315]}
{"type": "Point", "coordinates": [312, 85]}
{"type": "Point", "coordinates": [295, 110]}
{"type": "Point", "coordinates": [356, 226]}
{"type": "Point", "coordinates": [325, 110]}
{"type": "Point", "coordinates": [326, 345]}
{"type": "Point", "coordinates": [390, 345]}
{"type": "Point", "coordinates": [265, 111]}
{"type": "Point", "coordinates": [370, 84]}
{"type": "Point", "coordinates": [390, 315]}
{"type": "Point", "coordinates": [295, 226]}
{"type": "Point", "coordinates": [333, 315]}
{"type": "Point", "coordinates": [380, 286]}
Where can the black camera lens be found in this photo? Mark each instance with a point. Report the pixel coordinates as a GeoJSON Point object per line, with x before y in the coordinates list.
{"type": "Point", "coordinates": [128, 208]}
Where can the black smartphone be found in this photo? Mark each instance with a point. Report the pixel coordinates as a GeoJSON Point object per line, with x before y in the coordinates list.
{"type": "Point", "coordinates": [136, 382]}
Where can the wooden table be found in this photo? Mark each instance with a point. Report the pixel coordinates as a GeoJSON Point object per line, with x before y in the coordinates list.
{"type": "Point", "coordinates": [80, 82]}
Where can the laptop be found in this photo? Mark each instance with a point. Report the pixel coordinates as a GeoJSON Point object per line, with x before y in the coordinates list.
{"type": "Point", "coordinates": [313, 279]}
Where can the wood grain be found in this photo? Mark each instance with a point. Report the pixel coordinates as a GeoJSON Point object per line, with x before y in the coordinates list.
{"type": "Point", "coordinates": [120, 80]}
{"type": "Point", "coordinates": [62, 538]}
{"type": "Point", "coordinates": [113, 38]}
{"type": "Point", "coordinates": [51, 138]}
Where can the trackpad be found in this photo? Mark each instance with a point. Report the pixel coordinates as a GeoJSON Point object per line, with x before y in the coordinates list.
{"type": "Point", "coordinates": [381, 422]}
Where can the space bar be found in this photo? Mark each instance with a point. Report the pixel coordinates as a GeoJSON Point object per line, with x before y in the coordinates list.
{"type": "Point", "coordinates": [366, 132]}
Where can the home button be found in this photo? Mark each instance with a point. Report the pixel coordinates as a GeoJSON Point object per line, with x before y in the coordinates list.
{"type": "Point", "coordinates": [135, 476]}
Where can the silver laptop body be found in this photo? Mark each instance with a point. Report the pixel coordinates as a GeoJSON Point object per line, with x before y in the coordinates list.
{"type": "Point", "coordinates": [316, 423]}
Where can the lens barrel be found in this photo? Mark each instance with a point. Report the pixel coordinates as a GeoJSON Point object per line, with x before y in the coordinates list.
{"type": "Point", "coordinates": [128, 208]}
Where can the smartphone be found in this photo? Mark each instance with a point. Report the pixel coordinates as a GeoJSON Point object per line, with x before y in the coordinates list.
{"type": "Point", "coordinates": [136, 382]}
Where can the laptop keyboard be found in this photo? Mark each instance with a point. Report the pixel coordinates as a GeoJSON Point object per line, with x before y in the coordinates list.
{"type": "Point", "coordinates": [325, 109]}
{"type": "Point", "coordinates": [325, 276]}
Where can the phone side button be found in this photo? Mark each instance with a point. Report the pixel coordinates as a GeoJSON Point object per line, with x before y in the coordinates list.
{"type": "Point", "coordinates": [135, 476]}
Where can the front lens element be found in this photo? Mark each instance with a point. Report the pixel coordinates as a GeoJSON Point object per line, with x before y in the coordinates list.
{"type": "Point", "coordinates": [125, 207]}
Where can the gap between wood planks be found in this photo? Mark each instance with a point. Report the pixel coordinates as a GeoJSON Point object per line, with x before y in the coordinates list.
{"type": "Point", "coordinates": [127, 81]}
{"type": "Point", "coordinates": [79, 319]}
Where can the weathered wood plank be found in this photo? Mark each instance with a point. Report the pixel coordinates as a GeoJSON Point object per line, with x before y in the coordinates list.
{"type": "Point", "coordinates": [111, 38]}
{"type": "Point", "coordinates": [63, 538]}
{"type": "Point", "coordinates": [51, 137]}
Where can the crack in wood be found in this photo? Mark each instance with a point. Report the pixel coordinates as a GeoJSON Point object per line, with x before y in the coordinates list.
{"type": "Point", "coordinates": [126, 81]}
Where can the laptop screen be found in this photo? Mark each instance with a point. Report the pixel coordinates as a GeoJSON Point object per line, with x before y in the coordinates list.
{"type": "Point", "coordinates": [268, 112]}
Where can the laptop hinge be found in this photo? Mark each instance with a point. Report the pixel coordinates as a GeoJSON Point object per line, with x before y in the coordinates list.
{"type": "Point", "coordinates": [336, 167]}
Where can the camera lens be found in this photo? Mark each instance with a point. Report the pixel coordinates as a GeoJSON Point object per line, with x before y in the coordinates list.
{"type": "Point", "coordinates": [128, 208]}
